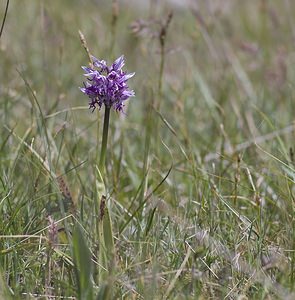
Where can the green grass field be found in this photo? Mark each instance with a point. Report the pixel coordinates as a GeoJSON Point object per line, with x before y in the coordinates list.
{"type": "Point", "coordinates": [198, 190]}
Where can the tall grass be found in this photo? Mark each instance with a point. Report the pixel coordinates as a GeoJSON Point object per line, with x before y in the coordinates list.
{"type": "Point", "coordinates": [200, 169]}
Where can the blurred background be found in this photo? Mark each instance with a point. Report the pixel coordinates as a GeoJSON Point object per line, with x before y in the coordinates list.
{"type": "Point", "coordinates": [220, 57]}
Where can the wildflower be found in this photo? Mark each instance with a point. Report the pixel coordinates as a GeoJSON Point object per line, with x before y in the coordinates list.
{"type": "Point", "coordinates": [107, 85]}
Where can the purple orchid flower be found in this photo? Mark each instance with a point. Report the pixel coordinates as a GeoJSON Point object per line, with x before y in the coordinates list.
{"type": "Point", "coordinates": [107, 85]}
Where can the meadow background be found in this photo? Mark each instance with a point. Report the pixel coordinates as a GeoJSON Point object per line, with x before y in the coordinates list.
{"type": "Point", "coordinates": [200, 168]}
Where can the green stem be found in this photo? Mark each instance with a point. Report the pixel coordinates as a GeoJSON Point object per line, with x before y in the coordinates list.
{"type": "Point", "coordinates": [105, 233]}
{"type": "Point", "coordinates": [104, 138]}
{"type": "Point", "coordinates": [4, 18]}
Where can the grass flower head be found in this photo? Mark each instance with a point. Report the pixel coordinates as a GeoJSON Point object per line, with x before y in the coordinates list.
{"type": "Point", "coordinates": [107, 85]}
